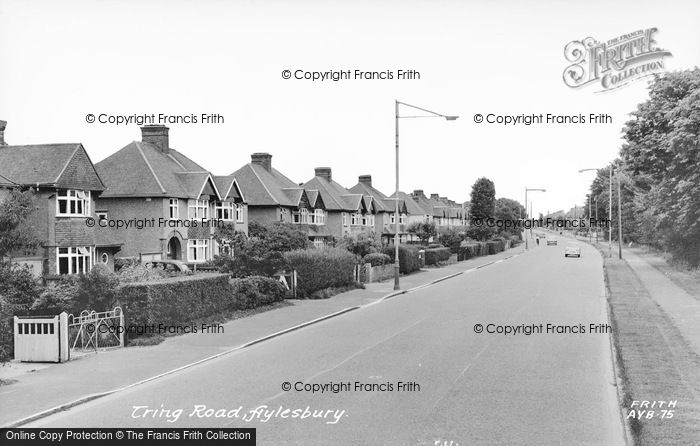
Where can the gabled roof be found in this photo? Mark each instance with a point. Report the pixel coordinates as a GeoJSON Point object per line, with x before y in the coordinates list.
{"type": "Point", "coordinates": [377, 196]}
{"type": "Point", "coordinates": [58, 165]}
{"type": "Point", "coordinates": [141, 170]}
{"type": "Point", "coordinates": [335, 196]}
{"type": "Point", "coordinates": [262, 187]}
{"type": "Point", "coordinates": [412, 207]}
{"type": "Point", "coordinates": [228, 187]}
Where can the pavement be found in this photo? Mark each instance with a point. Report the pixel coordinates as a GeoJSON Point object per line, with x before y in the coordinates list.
{"type": "Point", "coordinates": [464, 386]}
{"type": "Point", "coordinates": [42, 387]}
{"type": "Point", "coordinates": [682, 307]}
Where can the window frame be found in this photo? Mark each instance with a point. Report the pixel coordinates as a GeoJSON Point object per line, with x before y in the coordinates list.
{"type": "Point", "coordinates": [197, 245]}
{"type": "Point", "coordinates": [72, 196]}
{"type": "Point", "coordinates": [75, 259]}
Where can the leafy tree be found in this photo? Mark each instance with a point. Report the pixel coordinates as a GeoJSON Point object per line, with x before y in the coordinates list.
{"type": "Point", "coordinates": [423, 230]}
{"type": "Point", "coordinates": [482, 207]}
{"type": "Point", "coordinates": [361, 244]}
{"type": "Point", "coordinates": [451, 238]}
{"type": "Point", "coordinates": [660, 158]}
{"type": "Point", "coordinates": [509, 210]}
{"type": "Point", "coordinates": [15, 232]}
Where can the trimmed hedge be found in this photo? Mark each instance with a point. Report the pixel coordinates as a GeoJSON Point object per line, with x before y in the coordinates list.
{"type": "Point", "coordinates": [184, 300]}
{"type": "Point", "coordinates": [318, 269]}
{"type": "Point", "coordinates": [376, 259]}
{"type": "Point", "coordinates": [253, 291]}
{"type": "Point", "coordinates": [435, 255]}
{"type": "Point", "coordinates": [175, 301]}
{"type": "Point", "coordinates": [409, 257]}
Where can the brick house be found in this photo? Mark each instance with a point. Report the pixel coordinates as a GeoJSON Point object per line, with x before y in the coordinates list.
{"type": "Point", "coordinates": [273, 197]}
{"type": "Point", "coordinates": [347, 212]}
{"type": "Point", "coordinates": [65, 185]}
{"type": "Point", "coordinates": [173, 202]}
{"type": "Point", "coordinates": [384, 220]}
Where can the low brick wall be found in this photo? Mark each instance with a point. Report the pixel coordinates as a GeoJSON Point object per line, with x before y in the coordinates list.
{"type": "Point", "coordinates": [371, 273]}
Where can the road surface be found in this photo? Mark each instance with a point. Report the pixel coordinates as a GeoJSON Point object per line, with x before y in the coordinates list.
{"type": "Point", "coordinates": [458, 386]}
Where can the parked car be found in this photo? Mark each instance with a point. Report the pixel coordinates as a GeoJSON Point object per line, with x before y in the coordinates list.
{"type": "Point", "coordinates": [169, 265]}
{"type": "Point", "coordinates": [551, 241]}
{"type": "Point", "coordinates": [573, 251]}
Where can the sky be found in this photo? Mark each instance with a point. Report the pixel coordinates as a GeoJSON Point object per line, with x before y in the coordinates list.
{"type": "Point", "coordinates": [60, 61]}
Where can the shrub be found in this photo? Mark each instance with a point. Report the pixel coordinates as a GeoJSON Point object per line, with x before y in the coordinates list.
{"type": "Point", "coordinates": [254, 291]}
{"type": "Point", "coordinates": [377, 259]}
{"type": "Point", "coordinates": [435, 245]}
{"type": "Point", "coordinates": [176, 300]}
{"type": "Point", "coordinates": [137, 272]}
{"type": "Point", "coordinates": [435, 255]}
{"type": "Point", "coordinates": [361, 244]}
{"type": "Point", "coordinates": [451, 238]}
{"type": "Point", "coordinates": [409, 258]}
{"type": "Point", "coordinates": [18, 290]}
{"type": "Point", "coordinates": [468, 250]}
{"type": "Point", "coordinates": [321, 268]}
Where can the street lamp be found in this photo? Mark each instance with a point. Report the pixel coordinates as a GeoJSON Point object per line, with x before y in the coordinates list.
{"type": "Point", "coordinates": [431, 114]}
{"type": "Point", "coordinates": [619, 211]}
{"type": "Point", "coordinates": [526, 213]}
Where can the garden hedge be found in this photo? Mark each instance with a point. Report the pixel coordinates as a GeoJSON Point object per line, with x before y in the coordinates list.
{"type": "Point", "coordinates": [183, 300]}
{"type": "Point", "coordinates": [318, 269]}
{"type": "Point", "coordinates": [435, 255]}
{"type": "Point", "coordinates": [409, 257]}
{"type": "Point", "coordinates": [376, 259]}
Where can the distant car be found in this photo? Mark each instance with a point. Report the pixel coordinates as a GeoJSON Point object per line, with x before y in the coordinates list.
{"type": "Point", "coordinates": [573, 251]}
{"type": "Point", "coordinates": [169, 265]}
{"type": "Point", "coordinates": [551, 241]}
{"type": "Point", "coordinates": [543, 236]}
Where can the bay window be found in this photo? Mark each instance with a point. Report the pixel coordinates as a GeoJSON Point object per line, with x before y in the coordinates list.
{"type": "Point", "coordinates": [72, 203]}
{"type": "Point", "coordinates": [197, 250]}
{"type": "Point", "coordinates": [224, 210]}
{"type": "Point", "coordinates": [198, 209]}
{"type": "Point", "coordinates": [74, 260]}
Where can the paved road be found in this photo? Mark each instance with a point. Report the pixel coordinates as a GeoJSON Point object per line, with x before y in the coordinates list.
{"type": "Point", "coordinates": [474, 388]}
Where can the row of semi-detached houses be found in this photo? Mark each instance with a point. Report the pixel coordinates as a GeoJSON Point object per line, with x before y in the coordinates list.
{"type": "Point", "coordinates": [148, 180]}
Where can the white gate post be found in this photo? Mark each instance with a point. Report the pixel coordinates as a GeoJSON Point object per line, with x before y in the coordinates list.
{"type": "Point", "coordinates": [15, 336]}
{"type": "Point", "coordinates": [121, 328]}
{"type": "Point", "coordinates": [63, 350]}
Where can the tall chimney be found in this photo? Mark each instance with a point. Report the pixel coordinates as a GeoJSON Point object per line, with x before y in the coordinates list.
{"type": "Point", "coordinates": [435, 196]}
{"type": "Point", "coordinates": [366, 179]}
{"type": "Point", "coordinates": [262, 159]}
{"type": "Point", "coordinates": [156, 135]}
{"type": "Point", "coordinates": [3, 124]}
{"type": "Point", "coordinates": [418, 193]}
{"type": "Point", "coordinates": [324, 172]}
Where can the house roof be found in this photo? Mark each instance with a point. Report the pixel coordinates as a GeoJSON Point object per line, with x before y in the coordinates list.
{"type": "Point", "coordinates": [335, 196]}
{"type": "Point", "coordinates": [228, 187]}
{"type": "Point", "coordinates": [378, 197]}
{"type": "Point", "coordinates": [58, 165]}
{"type": "Point", "coordinates": [140, 169]}
{"type": "Point", "coordinates": [412, 207]}
{"type": "Point", "coordinates": [262, 187]}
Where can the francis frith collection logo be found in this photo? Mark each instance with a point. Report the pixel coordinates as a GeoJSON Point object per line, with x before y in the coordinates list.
{"type": "Point", "coordinates": [614, 63]}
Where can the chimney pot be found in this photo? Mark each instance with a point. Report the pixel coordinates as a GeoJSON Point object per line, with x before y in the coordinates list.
{"type": "Point", "coordinates": [156, 135]}
{"type": "Point", "coordinates": [324, 172]}
{"type": "Point", "coordinates": [366, 179]}
{"type": "Point", "coordinates": [262, 159]}
{"type": "Point", "coordinates": [3, 124]}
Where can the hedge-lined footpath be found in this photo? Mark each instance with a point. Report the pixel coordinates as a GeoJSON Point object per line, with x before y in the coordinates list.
{"type": "Point", "coordinates": [183, 300]}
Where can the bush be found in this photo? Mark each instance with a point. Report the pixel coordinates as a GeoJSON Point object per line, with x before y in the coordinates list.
{"type": "Point", "coordinates": [175, 301]}
{"type": "Point", "coordinates": [409, 258]}
{"type": "Point", "coordinates": [361, 244]}
{"type": "Point", "coordinates": [377, 259]}
{"type": "Point", "coordinates": [138, 272]}
{"type": "Point", "coordinates": [321, 268]}
{"type": "Point", "coordinates": [468, 250]}
{"type": "Point", "coordinates": [435, 255]}
{"type": "Point", "coordinates": [18, 290]}
{"type": "Point", "coordinates": [435, 245]}
{"type": "Point", "coordinates": [254, 291]}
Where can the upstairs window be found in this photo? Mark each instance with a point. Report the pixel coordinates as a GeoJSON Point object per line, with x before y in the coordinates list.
{"type": "Point", "coordinates": [300, 216]}
{"type": "Point", "coordinates": [239, 213]}
{"type": "Point", "coordinates": [355, 219]}
{"type": "Point", "coordinates": [224, 210]}
{"type": "Point", "coordinates": [345, 218]}
{"type": "Point", "coordinates": [173, 209]}
{"type": "Point", "coordinates": [72, 203]}
{"type": "Point", "coordinates": [198, 209]}
{"type": "Point", "coordinates": [317, 217]}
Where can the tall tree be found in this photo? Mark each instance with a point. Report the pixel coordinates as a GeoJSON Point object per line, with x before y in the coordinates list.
{"type": "Point", "coordinates": [509, 210]}
{"type": "Point", "coordinates": [661, 156]}
{"type": "Point", "coordinates": [15, 232]}
{"type": "Point", "coordinates": [482, 207]}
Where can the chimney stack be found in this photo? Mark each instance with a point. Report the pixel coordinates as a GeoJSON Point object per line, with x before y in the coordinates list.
{"type": "Point", "coordinates": [435, 196]}
{"type": "Point", "coordinates": [366, 179]}
{"type": "Point", "coordinates": [418, 193]}
{"type": "Point", "coordinates": [156, 135]}
{"type": "Point", "coordinates": [262, 159]}
{"type": "Point", "coordinates": [324, 172]}
{"type": "Point", "coordinates": [3, 124]}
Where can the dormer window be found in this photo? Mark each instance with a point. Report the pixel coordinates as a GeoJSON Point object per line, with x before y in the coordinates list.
{"type": "Point", "coordinates": [72, 203]}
